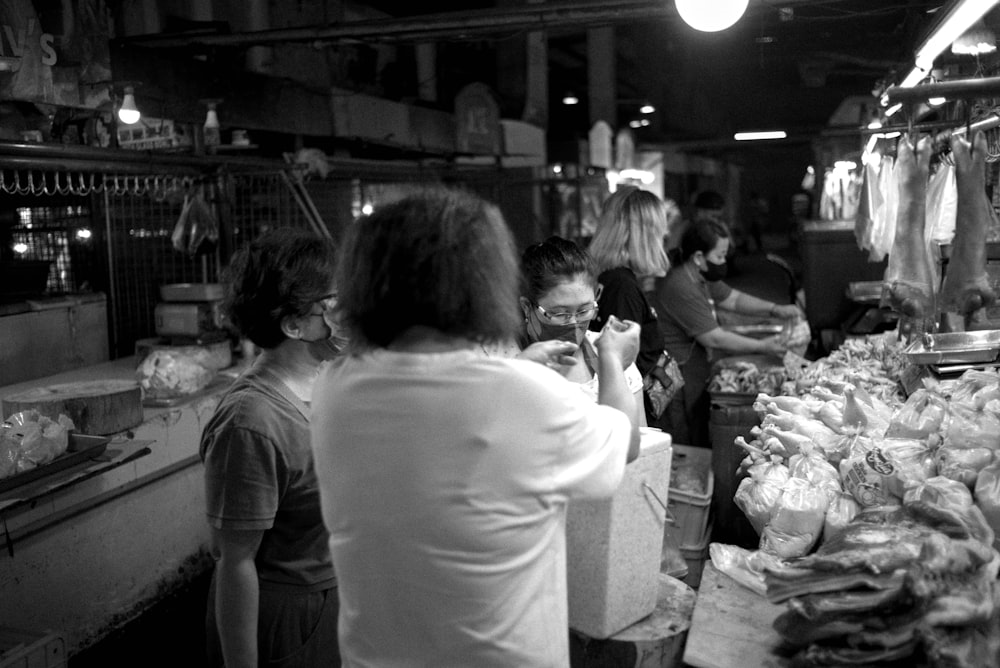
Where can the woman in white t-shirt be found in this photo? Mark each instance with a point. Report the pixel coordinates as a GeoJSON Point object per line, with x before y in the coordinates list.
{"type": "Point", "coordinates": [559, 298]}
{"type": "Point", "coordinates": [445, 473]}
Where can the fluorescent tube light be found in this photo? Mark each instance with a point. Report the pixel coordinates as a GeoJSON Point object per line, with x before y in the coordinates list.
{"type": "Point", "coordinates": [754, 136]}
{"type": "Point", "coordinates": [959, 19]}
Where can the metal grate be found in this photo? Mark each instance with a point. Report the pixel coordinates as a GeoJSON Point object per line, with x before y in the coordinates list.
{"type": "Point", "coordinates": [57, 232]}
{"type": "Point", "coordinates": [138, 227]}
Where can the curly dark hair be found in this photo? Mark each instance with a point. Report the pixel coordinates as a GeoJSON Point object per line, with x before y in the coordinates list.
{"type": "Point", "coordinates": [439, 258]}
{"type": "Point", "coordinates": [551, 262]}
{"type": "Point", "coordinates": [281, 273]}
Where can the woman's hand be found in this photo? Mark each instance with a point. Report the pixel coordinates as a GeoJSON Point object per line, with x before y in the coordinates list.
{"type": "Point", "coordinates": [553, 353]}
{"type": "Point", "coordinates": [621, 339]}
{"type": "Point", "coordinates": [787, 312]}
{"type": "Point", "coordinates": [773, 345]}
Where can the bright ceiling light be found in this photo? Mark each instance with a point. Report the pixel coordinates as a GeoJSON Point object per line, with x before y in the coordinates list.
{"type": "Point", "coordinates": [755, 136]}
{"type": "Point", "coordinates": [647, 109]}
{"type": "Point", "coordinates": [936, 101]}
{"type": "Point", "coordinates": [128, 113]}
{"type": "Point", "coordinates": [570, 99]}
{"type": "Point", "coordinates": [711, 15]}
{"type": "Point", "coordinates": [958, 20]}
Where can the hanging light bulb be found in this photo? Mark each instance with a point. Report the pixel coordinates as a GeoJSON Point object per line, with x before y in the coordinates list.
{"type": "Point", "coordinates": [711, 15]}
{"type": "Point", "coordinates": [128, 113]}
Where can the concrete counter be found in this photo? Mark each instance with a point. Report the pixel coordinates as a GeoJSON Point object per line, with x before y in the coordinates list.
{"type": "Point", "coordinates": [91, 555]}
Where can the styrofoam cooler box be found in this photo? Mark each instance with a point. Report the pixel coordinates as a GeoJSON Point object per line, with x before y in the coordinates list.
{"type": "Point", "coordinates": [613, 545]}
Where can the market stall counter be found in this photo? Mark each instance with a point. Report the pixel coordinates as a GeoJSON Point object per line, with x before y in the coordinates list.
{"type": "Point", "coordinates": [91, 545]}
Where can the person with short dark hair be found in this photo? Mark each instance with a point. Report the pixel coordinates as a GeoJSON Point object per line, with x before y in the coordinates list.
{"type": "Point", "coordinates": [687, 298]}
{"type": "Point", "coordinates": [445, 473]}
{"type": "Point", "coordinates": [273, 598]}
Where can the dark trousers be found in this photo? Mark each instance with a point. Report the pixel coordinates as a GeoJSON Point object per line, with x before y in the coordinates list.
{"type": "Point", "coordinates": [294, 630]}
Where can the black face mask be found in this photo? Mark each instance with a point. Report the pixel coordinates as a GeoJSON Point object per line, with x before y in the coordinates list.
{"type": "Point", "coordinates": [574, 332]}
{"type": "Point", "coordinates": [329, 346]}
{"type": "Point", "coordinates": [716, 271]}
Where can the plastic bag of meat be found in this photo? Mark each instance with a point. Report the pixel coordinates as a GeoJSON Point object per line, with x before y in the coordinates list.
{"type": "Point", "coordinates": [940, 492]}
{"type": "Point", "coordinates": [815, 469]}
{"type": "Point", "coordinates": [34, 439]}
{"type": "Point", "coordinates": [987, 494]}
{"type": "Point", "coordinates": [758, 493]}
{"type": "Point", "coordinates": [842, 510]}
{"type": "Point", "coordinates": [968, 391]}
{"type": "Point", "coordinates": [797, 521]}
{"type": "Point", "coordinates": [913, 458]}
{"type": "Point", "coordinates": [920, 417]}
{"type": "Point", "coordinates": [962, 464]}
{"type": "Point", "coordinates": [757, 500]}
{"type": "Point", "coordinates": [969, 428]}
{"type": "Point", "coordinates": [744, 566]}
{"type": "Point", "coordinates": [168, 374]}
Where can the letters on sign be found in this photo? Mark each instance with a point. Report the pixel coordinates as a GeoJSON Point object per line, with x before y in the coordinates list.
{"type": "Point", "coordinates": [14, 39]}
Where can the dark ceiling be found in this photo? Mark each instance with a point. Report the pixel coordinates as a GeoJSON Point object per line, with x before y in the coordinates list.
{"type": "Point", "coordinates": [783, 65]}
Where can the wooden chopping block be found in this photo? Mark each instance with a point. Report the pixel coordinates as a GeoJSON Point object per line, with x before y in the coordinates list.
{"type": "Point", "coordinates": [98, 407]}
{"type": "Point", "coordinates": [656, 641]}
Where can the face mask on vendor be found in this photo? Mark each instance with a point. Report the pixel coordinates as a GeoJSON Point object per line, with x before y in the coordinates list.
{"type": "Point", "coordinates": [560, 322]}
{"type": "Point", "coordinates": [713, 265]}
{"type": "Point", "coordinates": [330, 344]}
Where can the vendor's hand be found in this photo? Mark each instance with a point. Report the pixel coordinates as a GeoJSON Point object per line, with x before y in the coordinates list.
{"type": "Point", "coordinates": [621, 339]}
{"type": "Point", "coordinates": [773, 345]}
{"type": "Point", "coordinates": [553, 353]}
{"type": "Point", "coordinates": [788, 312]}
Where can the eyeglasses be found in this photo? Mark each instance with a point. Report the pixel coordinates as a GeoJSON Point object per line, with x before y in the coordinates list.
{"type": "Point", "coordinates": [566, 317]}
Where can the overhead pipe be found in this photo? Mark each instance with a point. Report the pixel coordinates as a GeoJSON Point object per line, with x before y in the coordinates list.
{"type": "Point", "coordinates": [984, 87]}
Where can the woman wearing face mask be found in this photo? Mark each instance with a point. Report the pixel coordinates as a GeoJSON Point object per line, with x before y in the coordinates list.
{"type": "Point", "coordinates": [559, 300]}
{"type": "Point", "coordinates": [273, 599]}
{"type": "Point", "coordinates": [686, 300]}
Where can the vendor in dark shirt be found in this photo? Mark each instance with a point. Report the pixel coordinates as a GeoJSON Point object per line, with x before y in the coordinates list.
{"type": "Point", "coordinates": [687, 299]}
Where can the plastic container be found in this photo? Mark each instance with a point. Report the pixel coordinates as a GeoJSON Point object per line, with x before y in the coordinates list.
{"type": "Point", "coordinates": [613, 545]}
{"type": "Point", "coordinates": [695, 557]}
{"type": "Point", "coordinates": [690, 509]}
{"type": "Point", "coordinates": [27, 649]}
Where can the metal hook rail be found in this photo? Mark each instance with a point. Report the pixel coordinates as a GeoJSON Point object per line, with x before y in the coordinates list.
{"type": "Point", "coordinates": [48, 183]}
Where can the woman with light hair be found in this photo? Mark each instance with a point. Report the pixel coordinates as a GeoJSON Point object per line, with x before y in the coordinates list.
{"type": "Point", "coordinates": [629, 252]}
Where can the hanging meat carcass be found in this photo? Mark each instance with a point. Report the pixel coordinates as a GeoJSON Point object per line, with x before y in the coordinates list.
{"type": "Point", "coordinates": [966, 287]}
{"type": "Point", "coordinates": [908, 287]}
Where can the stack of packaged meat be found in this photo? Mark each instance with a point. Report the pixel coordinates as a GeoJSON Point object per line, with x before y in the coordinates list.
{"type": "Point", "coordinates": [878, 514]}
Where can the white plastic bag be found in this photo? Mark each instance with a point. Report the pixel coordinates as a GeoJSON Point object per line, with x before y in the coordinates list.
{"type": "Point", "coordinates": [797, 521]}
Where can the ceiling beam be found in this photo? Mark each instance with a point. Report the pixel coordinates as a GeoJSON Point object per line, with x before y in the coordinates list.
{"type": "Point", "coordinates": [464, 24]}
{"type": "Point", "coordinates": [430, 26]}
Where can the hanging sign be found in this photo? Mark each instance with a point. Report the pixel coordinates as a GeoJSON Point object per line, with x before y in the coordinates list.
{"type": "Point", "coordinates": [55, 53]}
{"type": "Point", "coordinates": [477, 121]}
